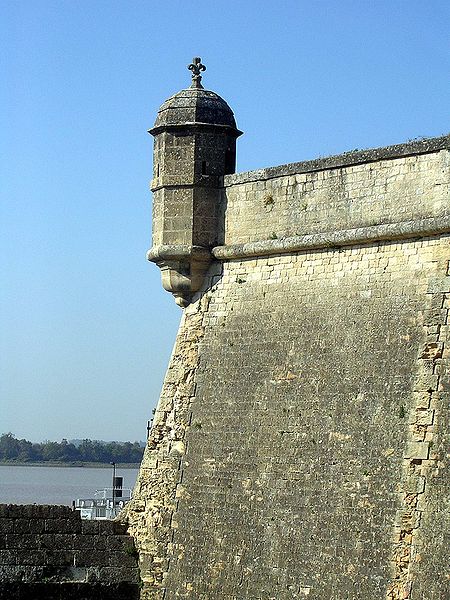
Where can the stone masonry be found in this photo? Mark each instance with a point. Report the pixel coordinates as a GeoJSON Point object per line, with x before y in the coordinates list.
{"type": "Point", "coordinates": [49, 553]}
{"type": "Point", "coordinates": [298, 447]}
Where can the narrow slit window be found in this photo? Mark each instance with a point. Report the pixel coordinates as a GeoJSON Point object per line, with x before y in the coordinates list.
{"type": "Point", "coordinates": [204, 167]}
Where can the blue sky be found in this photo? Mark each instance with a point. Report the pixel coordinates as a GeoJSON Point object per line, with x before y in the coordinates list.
{"type": "Point", "coordinates": [86, 329]}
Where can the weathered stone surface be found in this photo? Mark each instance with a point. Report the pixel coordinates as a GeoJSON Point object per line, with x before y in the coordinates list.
{"type": "Point", "coordinates": [49, 553]}
{"type": "Point", "coordinates": [297, 447]}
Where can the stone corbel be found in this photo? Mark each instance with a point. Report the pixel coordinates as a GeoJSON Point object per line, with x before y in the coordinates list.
{"type": "Point", "coordinates": [183, 269]}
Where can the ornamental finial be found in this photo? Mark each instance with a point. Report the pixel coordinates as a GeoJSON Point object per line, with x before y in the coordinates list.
{"type": "Point", "coordinates": [196, 67]}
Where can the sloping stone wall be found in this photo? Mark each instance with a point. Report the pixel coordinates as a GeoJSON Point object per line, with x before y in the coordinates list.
{"type": "Point", "coordinates": [49, 553]}
{"type": "Point", "coordinates": [298, 446]}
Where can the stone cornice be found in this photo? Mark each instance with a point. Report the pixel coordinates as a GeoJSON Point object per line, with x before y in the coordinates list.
{"type": "Point", "coordinates": [335, 239]}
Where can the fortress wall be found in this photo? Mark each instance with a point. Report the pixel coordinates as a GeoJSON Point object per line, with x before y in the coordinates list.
{"type": "Point", "coordinates": [294, 430]}
{"type": "Point", "coordinates": [297, 448]}
{"type": "Point", "coordinates": [336, 193]}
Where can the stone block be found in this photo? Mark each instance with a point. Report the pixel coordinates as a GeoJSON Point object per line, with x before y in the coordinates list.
{"type": "Point", "coordinates": [123, 559]}
{"type": "Point", "coordinates": [8, 557]}
{"type": "Point", "coordinates": [424, 417]}
{"type": "Point", "coordinates": [432, 350]}
{"type": "Point", "coordinates": [89, 527]}
{"type": "Point", "coordinates": [106, 528]}
{"type": "Point", "coordinates": [19, 541]}
{"type": "Point", "coordinates": [90, 558]}
{"type": "Point", "coordinates": [31, 556]}
{"type": "Point", "coordinates": [439, 285]}
{"type": "Point", "coordinates": [417, 450]}
{"type": "Point", "coordinates": [59, 557]}
{"type": "Point", "coordinates": [414, 485]}
{"type": "Point", "coordinates": [6, 526]}
{"type": "Point", "coordinates": [119, 542]}
{"type": "Point", "coordinates": [444, 382]}
{"type": "Point", "coordinates": [61, 525]}
{"type": "Point", "coordinates": [28, 526]}
{"type": "Point", "coordinates": [114, 575]}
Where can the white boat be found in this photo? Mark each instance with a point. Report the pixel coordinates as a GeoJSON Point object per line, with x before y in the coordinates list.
{"type": "Point", "coordinates": [105, 504]}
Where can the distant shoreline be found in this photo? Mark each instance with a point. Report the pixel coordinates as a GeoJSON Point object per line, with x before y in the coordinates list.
{"type": "Point", "coordinates": [87, 465]}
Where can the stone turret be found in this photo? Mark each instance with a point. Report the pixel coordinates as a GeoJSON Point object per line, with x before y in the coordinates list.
{"type": "Point", "coordinates": [195, 145]}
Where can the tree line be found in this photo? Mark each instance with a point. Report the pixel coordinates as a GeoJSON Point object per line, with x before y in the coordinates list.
{"type": "Point", "coordinates": [15, 450]}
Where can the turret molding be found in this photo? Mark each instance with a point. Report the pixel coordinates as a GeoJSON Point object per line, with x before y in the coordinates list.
{"type": "Point", "coordinates": [183, 269]}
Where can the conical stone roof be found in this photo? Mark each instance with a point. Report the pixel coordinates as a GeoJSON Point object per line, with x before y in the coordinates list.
{"type": "Point", "coordinates": [194, 106]}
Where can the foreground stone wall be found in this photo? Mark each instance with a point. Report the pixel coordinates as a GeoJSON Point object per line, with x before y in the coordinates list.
{"type": "Point", "coordinates": [49, 553]}
{"type": "Point", "coordinates": [297, 449]}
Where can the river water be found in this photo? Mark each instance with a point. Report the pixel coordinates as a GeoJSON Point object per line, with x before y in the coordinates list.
{"type": "Point", "coordinates": [57, 485]}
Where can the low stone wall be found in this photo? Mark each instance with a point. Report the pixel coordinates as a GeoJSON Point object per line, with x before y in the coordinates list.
{"type": "Point", "coordinates": [48, 552]}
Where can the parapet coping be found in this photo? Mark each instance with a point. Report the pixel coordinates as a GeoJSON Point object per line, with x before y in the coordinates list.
{"type": "Point", "coordinates": [336, 239]}
{"type": "Point", "coordinates": [356, 157]}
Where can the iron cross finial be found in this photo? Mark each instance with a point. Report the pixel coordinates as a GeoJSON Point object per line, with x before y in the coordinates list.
{"type": "Point", "coordinates": [196, 67]}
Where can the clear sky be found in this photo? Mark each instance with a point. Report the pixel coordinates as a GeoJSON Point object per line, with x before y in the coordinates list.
{"type": "Point", "coordinates": [86, 330]}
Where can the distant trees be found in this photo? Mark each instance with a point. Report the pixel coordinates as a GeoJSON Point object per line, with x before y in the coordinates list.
{"type": "Point", "coordinates": [14, 450]}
